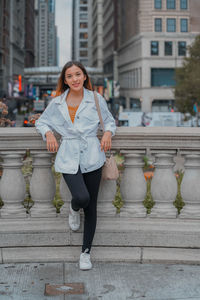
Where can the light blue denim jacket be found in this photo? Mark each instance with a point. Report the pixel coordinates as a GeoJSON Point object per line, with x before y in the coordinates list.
{"type": "Point", "coordinates": [79, 142]}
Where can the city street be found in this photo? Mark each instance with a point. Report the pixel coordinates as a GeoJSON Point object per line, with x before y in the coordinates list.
{"type": "Point", "coordinates": [106, 281]}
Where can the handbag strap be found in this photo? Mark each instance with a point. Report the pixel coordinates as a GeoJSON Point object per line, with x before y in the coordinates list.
{"type": "Point", "coordinates": [98, 110]}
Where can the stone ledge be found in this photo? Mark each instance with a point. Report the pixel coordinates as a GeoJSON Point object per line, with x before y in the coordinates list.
{"type": "Point", "coordinates": [69, 254]}
{"type": "Point", "coordinates": [112, 231]}
{"type": "Point", "coordinates": [102, 254]}
{"type": "Point", "coordinates": [171, 256]}
{"type": "Point", "coordinates": [111, 223]}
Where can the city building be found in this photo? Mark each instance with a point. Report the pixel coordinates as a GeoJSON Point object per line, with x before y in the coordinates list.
{"type": "Point", "coordinates": [154, 35]}
{"type": "Point", "coordinates": [12, 16]}
{"type": "Point", "coordinates": [45, 33]}
{"type": "Point", "coordinates": [111, 36]}
{"type": "Point", "coordinates": [4, 45]}
{"type": "Point", "coordinates": [95, 32]}
{"type": "Point", "coordinates": [29, 34]}
{"type": "Point", "coordinates": [80, 31]}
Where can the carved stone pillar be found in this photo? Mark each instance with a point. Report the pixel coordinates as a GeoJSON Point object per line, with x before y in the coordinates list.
{"type": "Point", "coordinates": [66, 197]}
{"type": "Point", "coordinates": [190, 188]}
{"type": "Point", "coordinates": [13, 187]}
{"type": "Point", "coordinates": [106, 195]}
{"type": "Point", "coordinates": [133, 186]}
{"type": "Point", "coordinates": [164, 187]}
{"type": "Point", "coordinates": [42, 185]}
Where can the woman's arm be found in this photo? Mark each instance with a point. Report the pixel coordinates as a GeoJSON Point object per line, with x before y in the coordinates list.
{"type": "Point", "coordinates": [43, 124]}
{"type": "Point", "coordinates": [109, 125]}
{"type": "Point", "coordinates": [52, 144]}
{"type": "Point", "coordinates": [108, 120]}
{"type": "Point", "coordinates": [44, 127]}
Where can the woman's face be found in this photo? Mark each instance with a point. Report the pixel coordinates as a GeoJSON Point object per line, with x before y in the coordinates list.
{"type": "Point", "coordinates": [75, 78]}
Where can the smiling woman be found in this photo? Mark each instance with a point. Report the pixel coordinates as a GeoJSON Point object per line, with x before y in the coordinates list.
{"type": "Point", "coordinates": [80, 156]}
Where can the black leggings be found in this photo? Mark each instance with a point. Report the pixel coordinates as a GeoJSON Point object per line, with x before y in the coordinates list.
{"type": "Point", "coordinates": [84, 188]}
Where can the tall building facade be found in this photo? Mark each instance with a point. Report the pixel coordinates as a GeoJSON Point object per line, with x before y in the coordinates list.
{"type": "Point", "coordinates": [95, 32]}
{"type": "Point", "coordinates": [29, 34]}
{"type": "Point", "coordinates": [80, 31]}
{"type": "Point", "coordinates": [4, 45]}
{"type": "Point", "coordinates": [12, 28]}
{"type": "Point", "coordinates": [111, 36]}
{"type": "Point", "coordinates": [45, 33]}
{"type": "Point", "coordinates": [153, 41]}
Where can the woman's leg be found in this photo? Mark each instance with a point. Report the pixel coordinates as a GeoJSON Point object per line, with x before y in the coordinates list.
{"type": "Point", "coordinates": [78, 189]}
{"type": "Point", "coordinates": [92, 182]}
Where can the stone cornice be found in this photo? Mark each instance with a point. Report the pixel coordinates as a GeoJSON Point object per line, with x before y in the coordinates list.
{"type": "Point", "coordinates": [126, 138]}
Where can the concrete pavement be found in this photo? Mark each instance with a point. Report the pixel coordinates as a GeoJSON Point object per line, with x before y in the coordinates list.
{"type": "Point", "coordinates": [106, 281]}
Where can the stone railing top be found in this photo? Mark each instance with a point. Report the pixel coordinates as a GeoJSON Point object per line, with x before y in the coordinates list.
{"type": "Point", "coordinates": [126, 138]}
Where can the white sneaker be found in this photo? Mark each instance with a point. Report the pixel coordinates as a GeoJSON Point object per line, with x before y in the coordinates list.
{"type": "Point", "coordinates": [85, 262]}
{"type": "Point", "coordinates": [74, 219]}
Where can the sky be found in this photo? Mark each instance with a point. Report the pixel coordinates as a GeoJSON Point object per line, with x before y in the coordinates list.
{"type": "Point", "coordinates": [64, 29]}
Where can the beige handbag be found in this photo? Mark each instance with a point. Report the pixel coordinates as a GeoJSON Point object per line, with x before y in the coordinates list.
{"type": "Point", "coordinates": [109, 170]}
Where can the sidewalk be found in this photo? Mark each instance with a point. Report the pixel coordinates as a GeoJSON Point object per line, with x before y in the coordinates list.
{"type": "Point", "coordinates": [106, 281]}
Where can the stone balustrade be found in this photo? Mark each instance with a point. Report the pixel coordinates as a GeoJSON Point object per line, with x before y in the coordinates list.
{"type": "Point", "coordinates": [170, 149]}
{"type": "Point", "coordinates": [162, 144]}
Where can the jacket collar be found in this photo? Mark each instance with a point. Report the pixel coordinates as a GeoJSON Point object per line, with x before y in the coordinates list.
{"type": "Point", "coordinates": [87, 96]}
{"type": "Point", "coordinates": [62, 105]}
{"type": "Point", "coordinates": [60, 99]}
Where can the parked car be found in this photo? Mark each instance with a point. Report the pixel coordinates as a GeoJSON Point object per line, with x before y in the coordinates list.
{"type": "Point", "coordinates": [27, 123]}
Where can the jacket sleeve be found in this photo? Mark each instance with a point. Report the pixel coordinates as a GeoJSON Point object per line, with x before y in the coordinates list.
{"type": "Point", "coordinates": [108, 120]}
{"type": "Point", "coordinates": [43, 124]}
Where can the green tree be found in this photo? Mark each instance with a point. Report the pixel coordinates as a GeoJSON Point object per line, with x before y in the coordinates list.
{"type": "Point", "coordinates": [187, 89]}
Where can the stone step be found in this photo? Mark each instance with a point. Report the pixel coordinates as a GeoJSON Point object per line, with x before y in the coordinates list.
{"type": "Point", "coordinates": [111, 232]}
{"type": "Point", "coordinates": [101, 254]}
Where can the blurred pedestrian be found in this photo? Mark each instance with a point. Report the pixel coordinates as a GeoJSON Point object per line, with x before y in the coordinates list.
{"type": "Point", "coordinates": [80, 158]}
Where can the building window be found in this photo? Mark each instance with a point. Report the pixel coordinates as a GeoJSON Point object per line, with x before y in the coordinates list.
{"type": "Point", "coordinates": [162, 77]}
{"type": "Point", "coordinates": [181, 48]}
{"type": "Point", "coordinates": [154, 48]}
{"type": "Point", "coordinates": [158, 4]}
{"type": "Point", "coordinates": [183, 4]}
{"type": "Point", "coordinates": [83, 35]}
{"type": "Point", "coordinates": [135, 104]}
{"type": "Point", "coordinates": [162, 105]}
{"type": "Point", "coordinates": [83, 25]}
{"type": "Point", "coordinates": [168, 48]}
{"type": "Point", "coordinates": [83, 53]}
{"type": "Point", "coordinates": [83, 44]}
{"type": "Point", "coordinates": [83, 1]}
{"type": "Point", "coordinates": [184, 25]}
{"type": "Point", "coordinates": [171, 4]}
{"type": "Point", "coordinates": [171, 25]}
{"type": "Point", "coordinates": [83, 8]}
{"type": "Point", "coordinates": [158, 25]}
{"type": "Point", "coordinates": [83, 15]}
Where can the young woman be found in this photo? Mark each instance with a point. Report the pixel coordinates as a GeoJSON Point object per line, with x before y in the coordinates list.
{"type": "Point", "coordinates": [80, 157]}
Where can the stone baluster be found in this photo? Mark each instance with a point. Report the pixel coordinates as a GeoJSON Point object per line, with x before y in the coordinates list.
{"type": "Point", "coordinates": [133, 186]}
{"type": "Point", "coordinates": [190, 188]}
{"type": "Point", "coordinates": [13, 187]}
{"type": "Point", "coordinates": [106, 195]}
{"type": "Point", "coordinates": [66, 197]}
{"type": "Point", "coordinates": [164, 187]}
{"type": "Point", "coordinates": [42, 185]}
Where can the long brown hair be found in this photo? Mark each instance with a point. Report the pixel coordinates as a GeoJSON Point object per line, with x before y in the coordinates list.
{"type": "Point", "coordinates": [62, 86]}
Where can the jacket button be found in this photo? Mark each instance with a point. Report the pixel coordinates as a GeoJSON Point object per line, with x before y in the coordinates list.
{"type": "Point", "coordinates": [81, 151]}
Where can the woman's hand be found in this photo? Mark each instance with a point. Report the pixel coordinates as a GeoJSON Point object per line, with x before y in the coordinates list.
{"type": "Point", "coordinates": [106, 141]}
{"type": "Point", "coordinates": [52, 144]}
